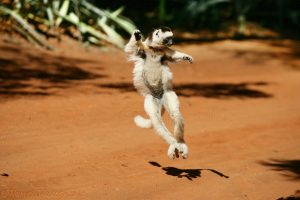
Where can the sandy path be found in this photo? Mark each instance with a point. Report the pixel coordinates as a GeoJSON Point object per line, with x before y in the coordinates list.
{"type": "Point", "coordinates": [73, 138]}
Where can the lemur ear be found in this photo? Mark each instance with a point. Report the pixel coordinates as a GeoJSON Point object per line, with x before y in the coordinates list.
{"type": "Point", "coordinates": [156, 29]}
{"type": "Point", "coordinates": [150, 35]}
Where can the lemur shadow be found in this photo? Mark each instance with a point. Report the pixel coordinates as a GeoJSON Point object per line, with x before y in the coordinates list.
{"type": "Point", "coordinates": [190, 174]}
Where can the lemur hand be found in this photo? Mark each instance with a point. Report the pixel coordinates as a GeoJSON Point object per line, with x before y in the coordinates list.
{"type": "Point", "coordinates": [188, 58]}
{"type": "Point", "coordinates": [137, 35]}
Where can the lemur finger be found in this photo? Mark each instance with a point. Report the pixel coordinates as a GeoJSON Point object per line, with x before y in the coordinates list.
{"type": "Point", "coordinates": [137, 35]}
{"type": "Point", "coordinates": [188, 58]}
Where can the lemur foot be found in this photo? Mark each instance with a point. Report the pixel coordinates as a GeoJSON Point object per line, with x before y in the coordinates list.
{"type": "Point", "coordinates": [188, 58]}
{"type": "Point", "coordinates": [137, 35]}
{"type": "Point", "coordinates": [172, 151]}
{"type": "Point", "coordinates": [183, 150]}
{"type": "Point", "coordinates": [176, 149]}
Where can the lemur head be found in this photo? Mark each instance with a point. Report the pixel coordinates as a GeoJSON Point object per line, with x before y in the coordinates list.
{"type": "Point", "coordinates": [160, 37]}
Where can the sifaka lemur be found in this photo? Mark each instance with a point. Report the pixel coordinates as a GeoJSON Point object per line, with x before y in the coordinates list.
{"type": "Point", "coordinates": [153, 79]}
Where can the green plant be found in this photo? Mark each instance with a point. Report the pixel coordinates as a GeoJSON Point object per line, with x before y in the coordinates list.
{"type": "Point", "coordinates": [242, 8]}
{"type": "Point", "coordinates": [94, 25]}
{"type": "Point", "coordinates": [198, 13]}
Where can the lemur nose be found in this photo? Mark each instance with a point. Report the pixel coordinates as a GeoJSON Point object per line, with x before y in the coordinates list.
{"type": "Point", "coordinates": [168, 41]}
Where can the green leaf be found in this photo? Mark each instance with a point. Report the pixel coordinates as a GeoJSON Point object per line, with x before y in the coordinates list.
{"type": "Point", "coordinates": [126, 24]}
{"type": "Point", "coordinates": [84, 28]}
{"type": "Point", "coordinates": [24, 25]}
{"type": "Point", "coordinates": [50, 16]}
{"type": "Point", "coordinates": [117, 12]}
{"type": "Point", "coordinates": [99, 24]}
{"type": "Point", "coordinates": [62, 12]}
{"type": "Point", "coordinates": [112, 34]}
{"type": "Point", "coordinates": [123, 22]}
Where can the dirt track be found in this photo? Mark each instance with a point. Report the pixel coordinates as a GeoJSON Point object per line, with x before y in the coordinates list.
{"type": "Point", "coordinates": [67, 132]}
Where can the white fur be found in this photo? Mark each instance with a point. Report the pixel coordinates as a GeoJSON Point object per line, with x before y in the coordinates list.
{"type": "Point", "coordinates": [142, 122]}
{"type": "Point", "coordinates": [158, 37]}
{"type": "Point", "coordinates": [152, 79]}
{"type": "Point", "coordinates": [181, 148]}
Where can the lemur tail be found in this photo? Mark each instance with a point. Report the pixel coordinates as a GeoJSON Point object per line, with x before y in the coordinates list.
{"type": "Point", "coordinates": [142, 122]}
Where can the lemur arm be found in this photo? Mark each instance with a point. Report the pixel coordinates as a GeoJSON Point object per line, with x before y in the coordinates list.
{"type": "Point", "coordinates": [135, 43]}
{"type": "Point", "coordinates": [177, 56]}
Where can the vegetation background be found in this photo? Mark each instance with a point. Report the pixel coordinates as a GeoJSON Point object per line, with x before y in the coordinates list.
{"type": "Point", "coordinates": [104, 22]}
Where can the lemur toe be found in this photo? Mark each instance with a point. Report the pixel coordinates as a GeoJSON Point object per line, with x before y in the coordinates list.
{"type": "Point", "coordinates": [183, 150]}
{"type": "Point", "coordinates": [172, 151]}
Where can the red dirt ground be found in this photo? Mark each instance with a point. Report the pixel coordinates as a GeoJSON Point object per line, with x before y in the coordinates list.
{"type": "Point", "coordinates": [67, 128]}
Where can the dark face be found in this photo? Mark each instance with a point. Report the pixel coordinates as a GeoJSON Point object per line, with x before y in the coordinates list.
{"type": "Point", "coordinates": [161, 37]}
{"type": "Point", "coordinates": [168, 41]}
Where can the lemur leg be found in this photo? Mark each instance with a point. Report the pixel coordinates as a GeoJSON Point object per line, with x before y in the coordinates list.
{"type": "Point", "coordinates": [153, 109]}
{"type": "Point", "coordinates": [171, 104]}
{"type": "Point", "coordinates": [145, 123]}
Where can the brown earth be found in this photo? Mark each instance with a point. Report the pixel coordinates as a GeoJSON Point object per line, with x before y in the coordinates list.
{"type": "Point", "coordinates": [67, 131]}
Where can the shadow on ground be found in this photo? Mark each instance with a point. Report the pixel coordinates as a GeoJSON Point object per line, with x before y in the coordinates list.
{"type": "Point", "coordinates": [289, 52]}
{"type": "Point", "coordinates": [290, 168]}
{"type": "Point", "coordinates": [215, 38]}
{"type": "Point", "coordinates": [190, 174]}
{"type": "Point", "coordinates": [208, 90]}
{"type": "Point", "coordinates": [295, 196]}
{"type": "Point", "coordinates": [25, 73]}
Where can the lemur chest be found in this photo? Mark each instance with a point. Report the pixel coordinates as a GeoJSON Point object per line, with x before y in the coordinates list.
{"type": "Point", "coordinates": [153, 80]}
{"type": "Point", "coordinates": [153, 74]}
{"type": "Point", "coordinates": [153, 68]}
{"type": "Point", "coordinates": [154, 57]}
